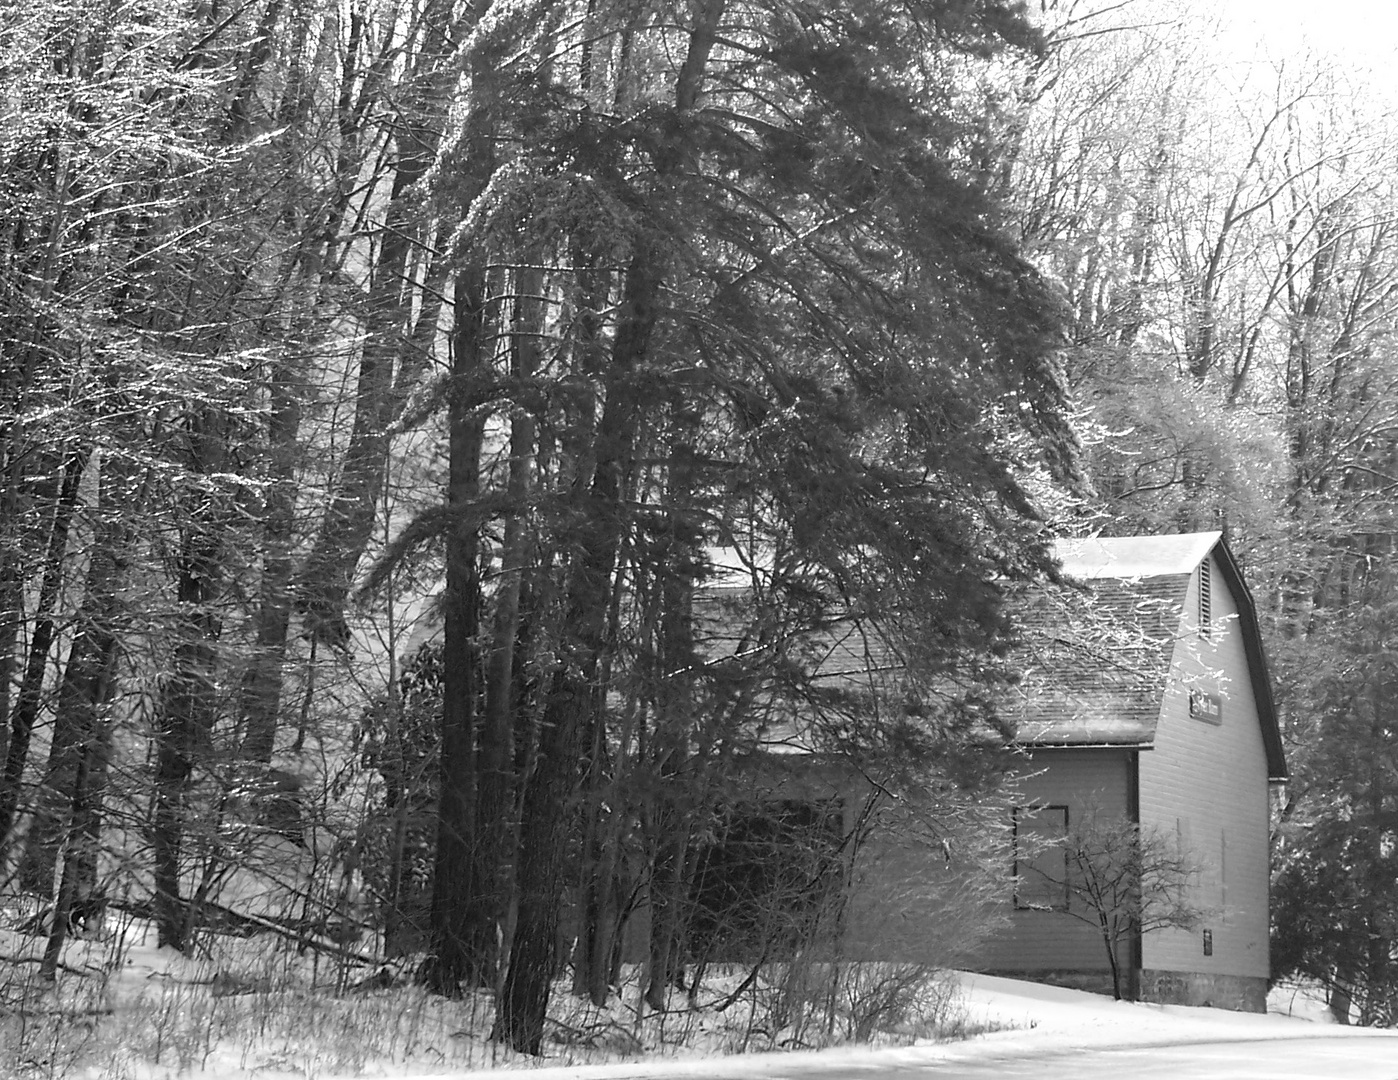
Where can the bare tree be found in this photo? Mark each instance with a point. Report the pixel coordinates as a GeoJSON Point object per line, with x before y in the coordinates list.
{"type": "Point", "coordinates": [1125, 880]}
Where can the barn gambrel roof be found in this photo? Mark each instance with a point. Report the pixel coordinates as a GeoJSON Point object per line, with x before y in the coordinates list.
{"type": "Point", "coordinates": [1097, 659]}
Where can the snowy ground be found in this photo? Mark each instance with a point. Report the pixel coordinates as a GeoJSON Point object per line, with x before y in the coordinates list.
{"type": "Point", "coordinates": [123, 1010]}
{"type": "Point", "coordinates": [1023, 1019]}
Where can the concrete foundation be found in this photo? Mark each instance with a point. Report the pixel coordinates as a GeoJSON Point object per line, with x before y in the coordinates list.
{"type": "Point", "coordinates": [1241, 993]}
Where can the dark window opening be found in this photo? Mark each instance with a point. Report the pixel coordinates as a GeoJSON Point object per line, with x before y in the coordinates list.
{"type": "Point", "coordinates": [1041, 860]}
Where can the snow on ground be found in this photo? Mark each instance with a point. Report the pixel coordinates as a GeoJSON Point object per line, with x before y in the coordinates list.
{"type": "Point", "coordinates": [255, 1008]}
{"type": "Point", "coordinates": [1019, 1019]}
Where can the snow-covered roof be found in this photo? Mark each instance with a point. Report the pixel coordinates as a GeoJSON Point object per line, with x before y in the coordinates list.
{"type": "Point", "coordinates": [1134, 556]}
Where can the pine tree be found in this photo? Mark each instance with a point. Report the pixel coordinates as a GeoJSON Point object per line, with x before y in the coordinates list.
{"type": "Point", "coordinates": [778, 299]}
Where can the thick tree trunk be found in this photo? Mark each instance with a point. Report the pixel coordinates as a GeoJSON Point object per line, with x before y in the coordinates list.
{"type": "Point", "coordinates": [523, 1000]}
{"type": "Point", "coordinates": [262, 682]}
{"type": "Point", "coordinates": [600, 798]}
{"type": "Point", "coordinates": [78, 887]}
{"type": "Point", "coordinates": [592, 952]}
{"type": "Point", "coordinates": [328, 574]}
{"type": "Point", "coordinates": [495, 774]}
{"type": "Point", "coordinates": [85, 830]}
{"type": "Point", "coordinates": [575, 695]}
{"type": "Point", "coordinates": [455, 958]}
{"type": "Point", "coordinates": [88, 682]}
{"type": "Point", "coordinates": [253, 60]}
{"type": "Point", "coordinates": [667, 895]}
{"type": "Point", "coordinates": [11, 617]}
{"type": "Point", "coordinates": [183, 723]}
{"type": "Point", "coordinates": [31, 689]}
{"type": "Point", "coordinates": [394, 344]}
{"type": "Point", "coordinates": [679, 561]}
{"type": "Point", "coordinates": [465, 902]}
{"type": "Point", "coordinates": [11, 592]}
{"type": "Point", "coordinates": [185, 714]}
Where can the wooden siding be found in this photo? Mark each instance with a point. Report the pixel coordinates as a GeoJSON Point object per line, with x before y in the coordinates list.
{"type": "Point", "coordinates": [1207, 783]}
{"type": "Point", "coordinates": [1053, 940]}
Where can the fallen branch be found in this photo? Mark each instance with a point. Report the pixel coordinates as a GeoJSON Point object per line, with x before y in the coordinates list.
{"type": "Point", "coordinates": [86, 972]}
{"type": "Point", "coordinates": [292, 930]}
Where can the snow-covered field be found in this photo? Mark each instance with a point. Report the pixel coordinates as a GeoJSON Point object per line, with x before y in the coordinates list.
{"type": "Point", "coordinates": [254, 1008]}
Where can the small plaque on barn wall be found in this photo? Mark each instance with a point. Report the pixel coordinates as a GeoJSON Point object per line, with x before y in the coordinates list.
{"type": "Point", "coordinates": [1206, 707]}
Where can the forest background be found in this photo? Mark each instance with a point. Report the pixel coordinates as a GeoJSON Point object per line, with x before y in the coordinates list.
{"type": "Point", "coordinates": [380, 380]}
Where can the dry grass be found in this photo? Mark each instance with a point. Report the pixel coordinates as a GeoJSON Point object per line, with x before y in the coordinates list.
{"type": "Point", "coordinates": [120, 1010]}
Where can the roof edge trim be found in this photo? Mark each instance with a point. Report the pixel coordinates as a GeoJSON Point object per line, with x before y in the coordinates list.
{"type": "Point", "coordinates": [1259, 671]}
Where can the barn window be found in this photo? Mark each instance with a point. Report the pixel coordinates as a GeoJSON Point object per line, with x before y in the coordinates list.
{"type": "Point", "coordinates": [1041, 860]}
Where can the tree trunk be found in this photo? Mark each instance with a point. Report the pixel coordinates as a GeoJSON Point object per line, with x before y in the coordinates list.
{"type": "Point", "coordinates": [185, 715]}
{"type": "Point", "coordinates": [183, 723]}
{"type": "Point", "coordinates": [82, 844]}
{"type": "Point", "coordinates": [576, 698]}
{"type": "Point", "coordinates": [680, 558]}
{"type": "Point", "coordinates": [11, 617]}
{"type": "Point", "coordinates": [523, 999]}
{"type": "Point", "coordinates": [1339, 1003]}
{"type": "Point", "coordinates": [465, 903]}
{"type": "Point", "coordinates": [600, 799]}
{"type": "Point", "coordinates": [32, 687]}
{"type": "Point", "coordinates": [575, 695]}
{"type": "Point", "coordinates": [88, 682]}
{"type": "Point", "coordinates": [495, 775]}
{"type": "Point", "coordinates": [667, 896]}
{"type": "Point", "coordinates": [11, 592]}
{"type": "Point", "coordinates": [1110, 944]}
{"type": "Point", "coordinates": [455, 941]}
{"type": "Point", "coordinates": [593, 950]}
{"type": "Point", "coordinates": [398, 937]}
{"type": "Point", "coordinates": [262, 682]}
{"type": "Point", "coordinates": [392, 337]}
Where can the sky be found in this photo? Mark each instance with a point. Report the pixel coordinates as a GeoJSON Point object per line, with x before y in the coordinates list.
{"type": "Point", "coordinates": [1363, 30]}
